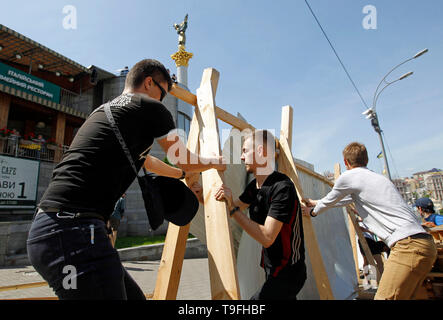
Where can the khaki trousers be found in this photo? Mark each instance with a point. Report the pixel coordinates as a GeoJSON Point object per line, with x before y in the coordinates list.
{"type": "Point", "coordinates": [409, 262]}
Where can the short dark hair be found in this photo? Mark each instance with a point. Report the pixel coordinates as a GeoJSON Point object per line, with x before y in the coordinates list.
{"type": "Point", "coordinates": [147, 68]}
{"type": "Point", "coordinates": [356, 154]}
{"type": "Point", "coordinates": [260, 135]}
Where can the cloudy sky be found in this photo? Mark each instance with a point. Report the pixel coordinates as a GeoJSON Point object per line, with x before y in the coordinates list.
{"type": "Point", "coordinates": [273, 53]}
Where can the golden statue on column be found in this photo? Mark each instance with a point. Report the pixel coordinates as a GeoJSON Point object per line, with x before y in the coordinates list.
{"type": "Point", "coordinates": [181, 57]}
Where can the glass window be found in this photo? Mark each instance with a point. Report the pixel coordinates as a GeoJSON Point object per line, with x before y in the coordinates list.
{"type": "Point", "coordinates": [183, 122]}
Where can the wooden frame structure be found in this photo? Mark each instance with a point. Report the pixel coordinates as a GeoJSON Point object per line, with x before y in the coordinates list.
{"type": "Point", "coordinates": [204, 137]}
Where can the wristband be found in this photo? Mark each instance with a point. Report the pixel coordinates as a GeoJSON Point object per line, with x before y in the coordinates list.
{"type": "Point", "coordinates": [183, 175]}
{"type": "Point", "coordinates": [233, 211]}
{"type": "Point", "coordinates": [310, 213]}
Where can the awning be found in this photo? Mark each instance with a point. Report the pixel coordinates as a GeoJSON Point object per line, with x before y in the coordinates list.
{"type": "Point", "coordinates": [13, 43]}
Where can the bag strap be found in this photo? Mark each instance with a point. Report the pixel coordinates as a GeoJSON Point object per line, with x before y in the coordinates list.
{"type": "Point", "coordinates": [107, 108]}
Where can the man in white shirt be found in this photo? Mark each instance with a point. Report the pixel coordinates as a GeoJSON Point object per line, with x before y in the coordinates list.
{"type": "Point", "coordinates": [386, 215]}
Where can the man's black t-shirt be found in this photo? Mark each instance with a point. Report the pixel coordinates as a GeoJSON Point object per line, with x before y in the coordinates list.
{"type": "Point", "coordinates": [95, 171]}
{"type": "Point", "coordinates": [277, 198]}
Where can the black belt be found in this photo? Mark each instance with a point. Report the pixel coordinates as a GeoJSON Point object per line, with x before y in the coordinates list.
{"type": "Point", "coordinates": [62, 214]}
{"type": "Point", "coordinates": [420, 236]}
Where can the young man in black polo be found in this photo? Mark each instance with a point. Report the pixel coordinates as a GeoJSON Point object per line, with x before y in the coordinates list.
{"type": "Point", "coordinates": [68, 244]}
{"type": "Point", "coordinates": [275, 219]}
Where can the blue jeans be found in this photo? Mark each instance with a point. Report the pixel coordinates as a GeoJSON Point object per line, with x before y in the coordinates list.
{"type": "Point", "coordinates": [76, 266]}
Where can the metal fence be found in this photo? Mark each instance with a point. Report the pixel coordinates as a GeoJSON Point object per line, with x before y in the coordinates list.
{"type": "Point", "coordinates": [68, 98]}
{"type": "Point", "coordinates": [17, 147]}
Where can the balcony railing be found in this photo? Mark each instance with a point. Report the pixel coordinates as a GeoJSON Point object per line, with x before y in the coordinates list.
{"type": "Point", "coordinates": [68, 98]}
{"type": "Point", "coordinates": [21, 148]}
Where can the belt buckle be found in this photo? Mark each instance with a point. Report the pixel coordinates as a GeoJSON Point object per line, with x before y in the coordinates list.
{"type": "Point", "coordinates": [69, 215]}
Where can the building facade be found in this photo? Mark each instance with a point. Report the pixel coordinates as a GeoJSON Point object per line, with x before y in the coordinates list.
{"type": "Point", "coordinates": [44, 99]}
{"type": "Point", "coordinates": [434, 184]}
{"type": "Point", "coordinates": [405, 190]}
{"type": "Point", "coordinates": [430, 183]}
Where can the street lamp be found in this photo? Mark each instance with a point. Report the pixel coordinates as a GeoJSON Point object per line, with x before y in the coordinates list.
{"type": "Point", "coordinates": [371, 112]}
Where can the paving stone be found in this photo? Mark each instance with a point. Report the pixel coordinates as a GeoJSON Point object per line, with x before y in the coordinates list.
{"type": "Point", "coordinates": [194, 282]}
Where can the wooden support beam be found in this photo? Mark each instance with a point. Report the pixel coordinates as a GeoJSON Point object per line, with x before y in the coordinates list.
{"type": "Point", "coordinates": [286, 124]}
{"type": "Point", "coordinates": [356, 228]}
{"type": "Point", "coordinates": [286, 165]}
{"type": "Point", "coordinates": [221, 258]}
{"type": "Point", "coordinates": [238, 123]}
{"type": "Point", "coordinates": [435, 274]}
{"type": "Point", "coordinates": [223, 115]}
{"type": "Point", "coordinates": [363, 241]}
{"type": "Point", "coordinates": [24, 286]}
{"type": "Point", "coordinates": [171, 263]}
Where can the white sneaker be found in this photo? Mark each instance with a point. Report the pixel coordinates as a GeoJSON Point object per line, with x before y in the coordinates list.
{"type": "Point", "coordinates": [374, 284]}
{"type": "Point", "coordinates": [365, 284]}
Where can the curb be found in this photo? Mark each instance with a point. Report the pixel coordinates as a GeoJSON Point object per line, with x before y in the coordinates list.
{"type": "Point", "coordinates": [194, 249]}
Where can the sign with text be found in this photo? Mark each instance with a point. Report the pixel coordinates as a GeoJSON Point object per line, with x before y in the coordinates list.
{"type": "Point", "coordinates": [18, 183]}
{"type": "Point", "coordinates": [28, 83]}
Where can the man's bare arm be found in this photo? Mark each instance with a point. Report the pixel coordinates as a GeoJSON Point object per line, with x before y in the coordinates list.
{"type": "Point", "coordinates": [264, 234]}
{"type": "Point", "coordinates": [180, 156]}
{"type": "Point", "coordinates": [157, 166]}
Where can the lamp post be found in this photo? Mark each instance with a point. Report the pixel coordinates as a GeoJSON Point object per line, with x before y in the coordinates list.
{"type": "Point", "coordinates": [371, 113]}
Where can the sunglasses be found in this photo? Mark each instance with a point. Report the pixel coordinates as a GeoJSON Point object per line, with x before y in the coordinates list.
{"type": "Point", "coordinates": [163, 94]}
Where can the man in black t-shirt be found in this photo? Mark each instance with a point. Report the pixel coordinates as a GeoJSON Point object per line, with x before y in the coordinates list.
{"type": "Point", "coordinates": [275, 219]}
{"type": "Point", "coordinates": [68, 243]}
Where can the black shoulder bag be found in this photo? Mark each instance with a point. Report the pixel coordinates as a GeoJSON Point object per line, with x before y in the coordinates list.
{"type": "Point", "coordinates": [150, 192]}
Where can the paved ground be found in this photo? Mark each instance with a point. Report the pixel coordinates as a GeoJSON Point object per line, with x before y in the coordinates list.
{"type": "Point", "coordinates": [194, 283]}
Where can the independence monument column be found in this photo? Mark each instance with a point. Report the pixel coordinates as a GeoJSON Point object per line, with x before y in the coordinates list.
{"type": "Point", "coordinates": [181, 57]}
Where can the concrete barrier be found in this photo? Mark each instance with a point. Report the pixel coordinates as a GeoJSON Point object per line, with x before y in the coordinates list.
{"type": "Point", "coordinates": [13, 237]}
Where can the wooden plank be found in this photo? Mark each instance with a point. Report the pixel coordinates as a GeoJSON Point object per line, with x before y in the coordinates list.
{"type": "Point", "coordinates": [286, 165]}
{"type": "Point", "coordinates": [286, 124]}
{"type": "Point", "coordinates": [147, 296]}
{"type": "Point", "coordinates": [221, 258]}
{"type": "Point", "coordinates": [232, 120]}
{"type": "Point", "coordinates": [363, 241]}
{"type": "Point", "coordinates": [24, 286]}
{"type": "Point", "coordinates": [223, 115]}
{"type": "Point", "coordinates": [171, 263]}
{"type": "Point", "coordinates": [183, 95]}
{"type": "Point", "coordinates": [437, 233]}
{"type": "Point", "coordinates": [37, 298]}
{"type": "Point", "coordinates": [236, 122]}
{"type": "Point", "coordinates": [435, 274]}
